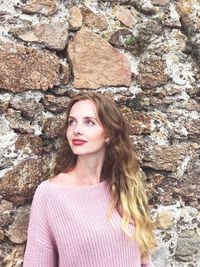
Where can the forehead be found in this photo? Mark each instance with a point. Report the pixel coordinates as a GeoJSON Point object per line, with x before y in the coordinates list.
{"type": "Point", "coordinates": [84, 108]}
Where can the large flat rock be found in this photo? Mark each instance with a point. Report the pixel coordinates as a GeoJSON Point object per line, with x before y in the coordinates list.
{"type": "Point", "coordinates": [96, 63]}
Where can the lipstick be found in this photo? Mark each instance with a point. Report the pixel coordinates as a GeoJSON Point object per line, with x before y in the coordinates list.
{"type": "Point", "coordinates": [78, 142]}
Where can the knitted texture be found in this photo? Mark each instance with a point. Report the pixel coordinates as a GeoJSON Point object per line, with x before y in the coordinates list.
{"type": "Point", "coordinates": [68, 227]}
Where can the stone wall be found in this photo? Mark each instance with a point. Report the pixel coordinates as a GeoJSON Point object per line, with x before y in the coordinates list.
{"type": "Point", "coordinates": [146, 55]}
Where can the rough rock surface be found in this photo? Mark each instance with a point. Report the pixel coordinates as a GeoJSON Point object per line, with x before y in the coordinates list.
{"type": "Point", "coordinates": [27, 68]}
{"type": "Point", "coordinates": [17, 232]}
{"type": "Point", "coordinates": [76, 18]}
{"type": "Point", "coordinates": [53, 36]}
{"type": "Point", "coordinates": [17, 122]}
{"type": "Point", "coordinates": [96, 63]}
{"type": "Point", "coordinates": [5, 212]}
{"type": "Point", "coordinates": [11, 255]}
{"type": "Point", "coordinates": [166, 158]}
{"type": "Point", "coordinates": [93, 20]}
{"type": "Point", "coordinates": [18, 184]}
{"type": "Point", "coordinates": [126, 16]}
{"type": "Point", "coordinates": [139, 123]}
{"type": "Point", "coordinates": [160, 2]}
{"type": "Point", "coordinates": [27, 108]}
{"type": "Point", "coordinates": [150, 67]}
{"type": "Point", "coordinates": [29, 143]}
{"type": "Point", "coordinates": [164, 220]}
{"type": "Point", "coordinates": [44, 7]}
{"type": "Point", "coordinates": [152, 73]}
{"type": "Point", "coordinates": [54, 104]}
{"type": "Point", "coordinates": [188, 247]}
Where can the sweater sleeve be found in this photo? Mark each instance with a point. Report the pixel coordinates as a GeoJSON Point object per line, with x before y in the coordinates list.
{"type": "Point", "coordinates": [40, 249]}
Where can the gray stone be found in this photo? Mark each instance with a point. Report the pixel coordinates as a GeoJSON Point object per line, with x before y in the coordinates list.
{"type": "Point", "coordinates": [5, 162]}
{"type": "Point", "coordinates": [193, 128]}
{"type": "Point", "coordinates": [150, 27]}
{"type": "Point", "coordinates": [28, 107]}
{"type": "Point", "coordinates": [17, 230]}
{"type": "Point", "coordinates": [60, 90]}
{"type": "Point", "coordinates": [4, 104]}
{"type": "Point", "coordinates": [53, 35]}
{"type": "Point", "coordinates": [160, 2]}
{"type": "Point", "coordinates": [53, 127]}
{"type": "Point", "coordinates": [160, 256]}
{"type": "Point", "coordinates": [55, 104]}
{"type": "Point", "coordinates": [65, 74]}
{"type": "Point", "coordinates": [17, 123]}
{"type": "Point", "coordinates": [118, 38]}
{"type": "Point", "coordinates": [139, 41]}
{"type": "Point", "coordinates": [18, 184]}
{"type": "Point", "coordinates": [188, 246]}
{"type": "Point", "coordinates": [11, 255]}
{"type": "Point", "coordinates": [151, 72]}
{"type": "Point", "coordinates": [166, 158]}
{"type": "Point", "coordinates": [2, 235]}
{"type": "Point", "coordinates": [189, 186]}
{"type": "Point", "coordinates": [6, 208]}
{"type": "Point", "coordinates": [44, 7]}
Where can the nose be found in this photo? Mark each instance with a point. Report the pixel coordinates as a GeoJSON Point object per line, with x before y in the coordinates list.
{"type": "Point", "coordinates": [77, 129]}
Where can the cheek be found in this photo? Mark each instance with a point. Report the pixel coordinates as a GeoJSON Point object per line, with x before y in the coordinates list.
{"type": "Point", "coordinates": [99, 137]}
{"type": "Point", "coordinates": [67, 134]}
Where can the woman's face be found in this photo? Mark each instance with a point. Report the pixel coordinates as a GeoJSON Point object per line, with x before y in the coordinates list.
{"type": "Point", "coordinates": [85, 134]}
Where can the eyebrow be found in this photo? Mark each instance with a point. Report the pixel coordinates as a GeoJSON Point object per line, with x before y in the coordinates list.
{"type": "Point", "coordinates": [87, 117]}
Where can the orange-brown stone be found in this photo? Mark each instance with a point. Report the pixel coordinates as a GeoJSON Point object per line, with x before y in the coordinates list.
{"type": "Point", "coordinates": [96, 63]}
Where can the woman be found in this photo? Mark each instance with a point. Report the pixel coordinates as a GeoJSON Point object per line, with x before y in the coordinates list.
{"type": "Point", "coordinates": [94, 212]}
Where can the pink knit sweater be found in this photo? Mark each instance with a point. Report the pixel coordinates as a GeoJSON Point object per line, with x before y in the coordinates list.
{"type": "Point", "coordinates": [69, 227]}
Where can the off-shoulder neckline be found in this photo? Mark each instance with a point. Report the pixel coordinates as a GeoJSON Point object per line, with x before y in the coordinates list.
{"type": "Point", "coordinates": [74, 187]}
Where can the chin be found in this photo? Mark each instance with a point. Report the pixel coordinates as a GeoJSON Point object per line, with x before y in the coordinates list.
{"type": "Point", "coordinates": [79, 152]}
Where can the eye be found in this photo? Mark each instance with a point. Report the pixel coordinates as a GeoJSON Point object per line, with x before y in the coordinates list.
{"type": "Point", "coordinates": [89, 122]}
{"type": "Point", "coordinates": [71, 122]}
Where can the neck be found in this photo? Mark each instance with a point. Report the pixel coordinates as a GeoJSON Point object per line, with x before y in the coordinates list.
{"type": "Point", "coordinates": [88, 169]}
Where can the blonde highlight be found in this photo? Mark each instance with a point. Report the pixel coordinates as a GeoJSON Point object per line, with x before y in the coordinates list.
{"type": "Point", "coordinates": [120, 169]}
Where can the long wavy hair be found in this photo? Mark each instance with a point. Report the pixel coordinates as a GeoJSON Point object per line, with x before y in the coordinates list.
{"type": "Point", "coordinates": [120, 169]}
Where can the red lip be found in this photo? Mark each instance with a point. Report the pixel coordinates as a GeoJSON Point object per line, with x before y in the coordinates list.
{"type": "Point", "coordinates": [78, 141]}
